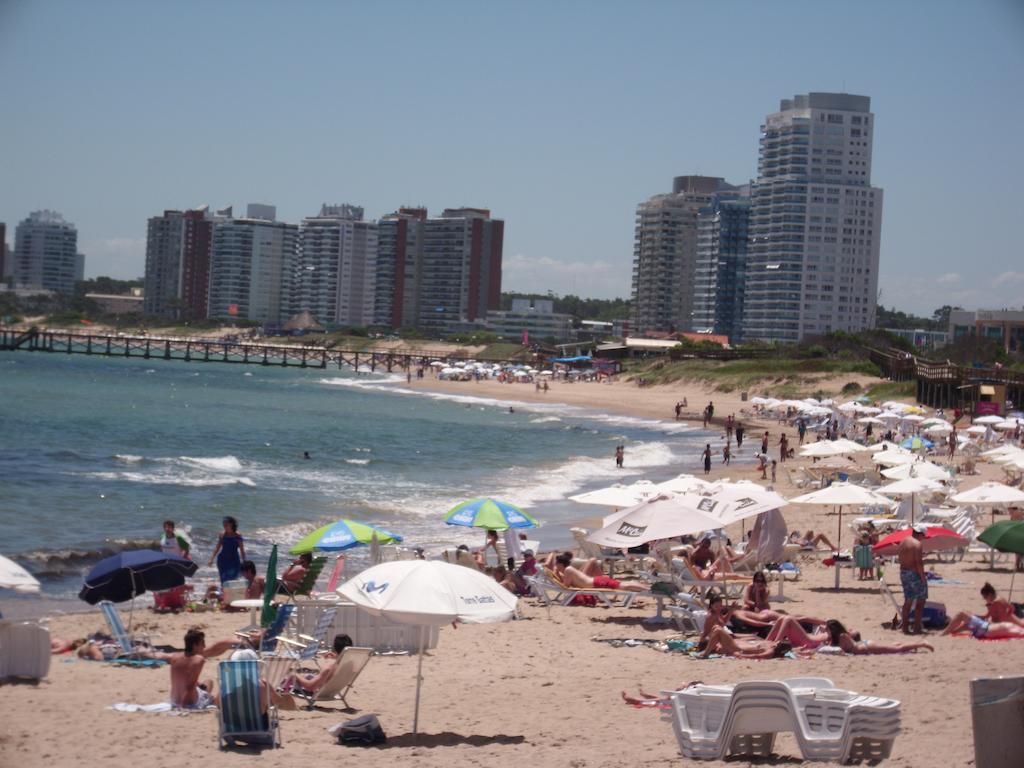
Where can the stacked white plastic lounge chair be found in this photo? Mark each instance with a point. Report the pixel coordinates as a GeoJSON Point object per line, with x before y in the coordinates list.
{"type": "Point", "coordinates": [24, 650]}
{"type": "Point", "coordinates": [830, 724]}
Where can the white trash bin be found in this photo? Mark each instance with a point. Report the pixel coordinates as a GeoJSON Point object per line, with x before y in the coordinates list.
{"type": "Point", "coordinates": [997, 712]}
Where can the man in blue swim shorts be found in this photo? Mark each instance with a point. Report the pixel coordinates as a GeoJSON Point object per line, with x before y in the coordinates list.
{"type": "Point", "coordinates": [915, 584]}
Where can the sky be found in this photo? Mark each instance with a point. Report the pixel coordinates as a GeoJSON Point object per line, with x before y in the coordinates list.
{"type": "Point", "coordinates": [560, 117]}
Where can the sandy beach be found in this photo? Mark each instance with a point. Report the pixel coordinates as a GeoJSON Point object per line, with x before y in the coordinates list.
{"type": "Point", "coordinates": [538, 691]}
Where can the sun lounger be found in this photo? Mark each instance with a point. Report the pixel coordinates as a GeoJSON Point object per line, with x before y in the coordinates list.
{"type": "Point", "coordinates": [549, 585]}
{"type": "Point", "coordinates": [24, 650]}
{"type": "Point", "coordinates": [353, 661]}
{"type": "Point", "coordinates": [590, 549]}
{"type": "Point", "coordinates": [129, 643]}
{"type": "Point", "coordinates": [687, 580]}
{"type": "Point", "coordinates": [241, 718]}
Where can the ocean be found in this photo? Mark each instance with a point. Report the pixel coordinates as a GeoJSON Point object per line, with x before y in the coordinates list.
{"type": "Point", "coordinates": [96, 452]}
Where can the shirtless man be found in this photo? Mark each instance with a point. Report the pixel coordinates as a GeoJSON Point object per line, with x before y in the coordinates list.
{"type": "Point", "coordinates": [590, 577]}
{"type": "Point", "coordinates": [255, 585]}
{"type": "Point", "coordinates": [292, 578]}
{"type": "Point", "coordinates": [915, 583]}
{"type": "Point", "coordinates": [998, 621]}
{"type": "Point", "coordinates": [186, 690]}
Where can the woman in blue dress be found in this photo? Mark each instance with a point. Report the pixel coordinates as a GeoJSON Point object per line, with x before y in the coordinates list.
{"type": "Point", "coordinates": [229, 552]}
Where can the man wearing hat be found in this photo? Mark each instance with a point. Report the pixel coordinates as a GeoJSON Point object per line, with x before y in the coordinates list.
{"type": "Point", "coordinates": [913, 579]}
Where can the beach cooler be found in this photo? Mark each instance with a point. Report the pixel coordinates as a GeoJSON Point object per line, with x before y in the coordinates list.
{"type": "Point", "coordinates": [934, 616]}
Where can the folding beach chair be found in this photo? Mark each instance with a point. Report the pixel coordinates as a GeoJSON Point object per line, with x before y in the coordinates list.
{"type": "Point", "coordinates": [306, 647]}
{"type": "Point", "coordinates": [268, 643]}
{"type": "Point", "coordinates": [308, 581]}
{"type": "Point", "coordinates": [129, 643]}
{"type": "Point", "coordinates": [241, 718]}
{"type": "Point", "coordinates": [352, 662]}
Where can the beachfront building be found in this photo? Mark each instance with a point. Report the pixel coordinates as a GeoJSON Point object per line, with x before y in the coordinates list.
{"type": "Point", "coordinates": [3, 251]}
{"type": "Point", "coordinates": [721, 265]}
{"type": "Point", "coordinates": [399, 266]}
{"type": "Point", "coordinates": [177, 276]}
{"type": "Point", "coordinates": [460, 276]}
{"type": "Point", "coordinates": [530, 319]}
{"type": "Point", "coordinates": [252, 265]}
{"type": "Point", "coordinates": [46, 254]}
{"type": "Point", "coordinates": [336, 270]}
{"type": "Point", "coordinates": [665, 253]}
{"type": "Point", "coordinates": [815, 221]}
{"type": "Point", "coordinates": [1004, 326]}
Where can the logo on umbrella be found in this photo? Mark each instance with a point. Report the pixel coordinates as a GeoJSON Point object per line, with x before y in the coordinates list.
{"type": "Point", "coordinates": [707, 505]}
{"type": "Point", "coordinates": [626, 529]}
{"type": "Point", "coordinates": [371, 586]}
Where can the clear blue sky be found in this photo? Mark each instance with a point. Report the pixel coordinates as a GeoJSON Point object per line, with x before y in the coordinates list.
{"type": "Point", "coordinates": [558, 116]}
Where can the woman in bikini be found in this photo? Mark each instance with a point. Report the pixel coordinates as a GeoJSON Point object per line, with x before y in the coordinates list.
{"type": "Point", "coordinates": [850, 642]}
{"type": "Point", "coordinates": [721, 641]}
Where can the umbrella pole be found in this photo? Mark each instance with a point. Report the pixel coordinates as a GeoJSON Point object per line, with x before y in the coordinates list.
{"type": "Point", "coordinates": [1013, 575]}
{"type": "Point", "coordinates": [992, 550]}
{"type": "Point", "coordinates": [419, 679]}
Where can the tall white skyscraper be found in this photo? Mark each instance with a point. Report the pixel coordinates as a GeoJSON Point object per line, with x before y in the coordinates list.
{"type": "Point", "coordinates": [337, 266]}
{"type": "Point", "coordinates": [252, 267]}
{"type": "Point", "coordinates": [46, 253]}
{"type": "Point", "coordinates": [815, 222]}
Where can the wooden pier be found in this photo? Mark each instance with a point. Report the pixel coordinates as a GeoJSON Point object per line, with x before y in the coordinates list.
{"type": "Point", "coordinates": [202, 351]}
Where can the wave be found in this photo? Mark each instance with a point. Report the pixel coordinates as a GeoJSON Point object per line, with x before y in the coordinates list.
{"type": "Point", "coordinates": [172, 478]}
{"type": "Point", "coordinates": [363, 381]}
{"type": "Point", "coordinates": [360, 462]}
{"type": "Point", "coordinates": [216, 463]}
{"type": "Point", "coordinates": [57, 563]}
{"type": "Point", "coordinates": [128, 458]}
{"type": "Point", "coordinates": [544, 420]}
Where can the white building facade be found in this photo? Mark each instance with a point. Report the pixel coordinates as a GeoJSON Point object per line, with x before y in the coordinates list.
{"type": "Point", "coordinates": [46, 253]}
{"type": "Point", "coordinates": [815, 221]}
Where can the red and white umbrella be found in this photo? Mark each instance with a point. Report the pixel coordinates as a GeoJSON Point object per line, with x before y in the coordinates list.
{"type": "Point", "coordinates": [936, 539]}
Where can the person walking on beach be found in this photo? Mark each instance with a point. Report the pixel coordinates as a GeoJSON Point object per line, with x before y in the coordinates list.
{"type": "Point", "coordinates": [726, 454]}
{"type": "Point", "coordinates": [783, 447]}
{"type": "Point", "coordinates": [705, 417]}
{"type": "Point", "coordinates": [952, 443]}
{"type": "Point", "coordinates": [801, 429]}
{"type": "Point", "coordinates": [620, 455]}
{"type": "Point", "coordinates": [229, 552]}
{"type": "Point", "coordinates": [764, 444]}
{"type": "Point", "coordinates": [707, 459]}
{"type": "Point", "coordinates": [679, 409]}
{"type": "Point", "coordinates": [774, 465]}
{"type": "Point", "coordinates": [739, 435]}
{"type": "Point", "coordinates": [173, 543]}
{"type": "Point", "coordinates": [730, 424]}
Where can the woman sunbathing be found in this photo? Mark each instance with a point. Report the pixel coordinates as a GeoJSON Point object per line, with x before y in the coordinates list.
{"type": "Point", "coordinates": [983, 629]}
{"type": "Point", "coordinates": [720, 641]}
{"type": "Point", "coordinates": [850, 642]}
{"type": "Point", "coordinates": [755, 595]}
{"type": "Point", "coordinates": [589, 577]}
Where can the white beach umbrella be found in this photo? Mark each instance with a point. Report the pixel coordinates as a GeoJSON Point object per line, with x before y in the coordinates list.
{"type": "Point", "coordinates": [938, 429]}
{"type": "Point", "coordinates": [618, 495]}
{"type": "Point", "coordinates": [737, 501]}
{"type": "Point", "coordinates": [988, 419]}
{"type": "Point", "coordinates": [1008, 424]}
{"type": "Point", "coordinates": [1000, 451]}
{"type": "Point", "coordinates": [870, 410]}
{"type": "Point", "coordinates": [885, 445]}
{"type": "Point", "coordinates": [13, 576]}
{"type": "Point", "coordinates": [924, 469]}
{"type": "Point", "coordinates": [429, 593]}
{"type": "Point", "coordinates": [663, 517]}
{"type": "Point", "coordinates": [894, 458]}
{"type": "Point", "coordinates": [870, 420]}
{"type": "Point", "coordinates": [889, 416]}
{"type": "Point", "coordinates": [758, 400]}
{"type": "Point", "coordinates": [990, 494]}
{"type": "Point", "coordinates": [910, 487]}
{"type": "Point", "coordinates": [824, 448]}
{"type": "Point", "coordinates": [976, 429]}
{"type": "Point", "coordinates": [684, 483]}
{"type": "Point", "coordinates": [1009, 456]}
{"type": "Point", "coordinates": [841, 495]}
{"type": "Point", "coordinates": [913, 417]}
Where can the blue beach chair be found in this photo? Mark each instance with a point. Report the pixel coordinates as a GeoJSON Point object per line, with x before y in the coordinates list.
{"type": "Point", "coordinates": [129, 644]}
{"type": "Point", "coordinates": [240, 715]}
{"type": "Point", "coordinates": [313, 644]}
{"type": "Point", "coordinates": [273, 633]}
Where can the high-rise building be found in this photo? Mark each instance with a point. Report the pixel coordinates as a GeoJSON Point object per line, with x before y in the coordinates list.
{"type": "Point", "coordinates": [460, 279]}
{"type": "Point", "coordinates": [815, 221]}
{"type": "Point", "coordinates": [665, 254]}
{"type": "Point", "coordinates": [721, 266]}
{"type": "Point", "coordinates": [336, 272]}
{"type": "Point", "coordinates": [399, 265]}
{"type": "Point", "coordinates": [46, 253]}
{"type": "Point", "coordinates": [3, 251]}
{"type": "Point", "coordinates": [252, 267]}
{"type": "Point", "coordinates": [178, 263]}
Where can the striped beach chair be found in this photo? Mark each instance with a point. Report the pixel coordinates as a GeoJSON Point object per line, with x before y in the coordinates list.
{"type": "Point", "coordinates": [128, 642]}
{"type": "Point", "coordinates": [241, 716]}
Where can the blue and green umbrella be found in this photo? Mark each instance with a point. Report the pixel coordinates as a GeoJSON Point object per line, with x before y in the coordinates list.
{"type": "Point", "coordinates": [343, 534]}
{"type": "Point", "coordinates": [491, 514]}
{"type": "Point", "coordinates": [917, 443]}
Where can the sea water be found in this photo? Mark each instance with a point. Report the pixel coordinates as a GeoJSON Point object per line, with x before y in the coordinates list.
{"type": "Point", "coordinates": [96, 452]}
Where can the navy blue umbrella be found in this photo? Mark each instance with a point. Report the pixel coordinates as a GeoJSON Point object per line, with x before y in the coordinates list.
{"type": "Point", "coordinates": [127, 574]}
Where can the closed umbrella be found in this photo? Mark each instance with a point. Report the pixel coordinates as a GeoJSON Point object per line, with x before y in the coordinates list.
{"type": "Point", "coordinates": [13, 576]}
{"type": "Point", "coordinates": [268, 613]}
{"type": "Point", "coordinates": [429, 593]}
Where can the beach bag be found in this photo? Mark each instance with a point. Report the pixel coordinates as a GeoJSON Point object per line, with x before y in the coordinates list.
{"type": "Point", "coordinates": [934, 616]}
{"type": "Point", "coordinates": [364, 731]}
{"type": "Point", "coordinates": [664, 588]}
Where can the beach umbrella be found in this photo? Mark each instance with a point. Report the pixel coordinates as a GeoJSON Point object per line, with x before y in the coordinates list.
{"type": "Point", "coordinates": [663, 517]}
{"type": "Point", "coordinates": [618, 495]}
{"type": "Point", "coordinates": [939, 429]}
{"type": "Point", "coordinates": [936, 539]}
{"type": "Point", "coordinates": [737, 501]}
{"type": "Point", "coordinates": [491, 514]}
{"type": "Point", "coordinates": [892, 458]}
{"type": "Point", "coordinates": [684, 483]}
{"type": "Point", "coordinates": [429, 593]}
{"type": "Point", "coordinates": [128, 574]}
{"type": "Point", "coordinates": [1006, 536]}
{"type": "Point", "coordinates": [977, 429]}
{"type": "Point", "coordinates": [839, 495]}
{"type": "Point", "coordinates": [870, 420]}
{"type": "Point", "coordinates": [992, 495]}
{"type": "Point", "coordinates": [911, 486]}
{"type": "Point", "coordinates": [920, 469]}
{"type": "Point", "coordinates": [824, 448]}
{"type": "Point", "coordinates": [884, 445]}
{"type": "Point", "coordinates": [13, 576]}
{"type": "Point", "coordinates": [989, 419]}
{"type": "Point", "coordinates": [343, 534]}
{"type": "Point", "coordinates": [268, 612]}
{"type": "Point", "coordinates": [1008, 424]}
{"type": "Point", "coordinates": [917, 444]}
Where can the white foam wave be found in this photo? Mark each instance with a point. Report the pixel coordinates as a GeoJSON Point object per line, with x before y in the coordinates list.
{"type": "Point", "coordinates": [128, 458]}
{"type": "Point", "coordinates": [216, 463]}
{"type": "Point", "coordinates": [360, 462]}
{"type": "Point", "coordinates": [171, 478]}
{"type": "Point", "coordinates": [544, 420]}
{"type": "Point", "coordinates": [365, 380]}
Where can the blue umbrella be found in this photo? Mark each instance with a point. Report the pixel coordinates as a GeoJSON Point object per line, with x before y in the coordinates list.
{"type": "Point", "coordinates": [916, 443]}
{"type": "Point", "coordinates": [131, 573]}
{"type": "Point", "coordinates": [127, 574]}
{"type": "Point", "coordinates": [489, 513]}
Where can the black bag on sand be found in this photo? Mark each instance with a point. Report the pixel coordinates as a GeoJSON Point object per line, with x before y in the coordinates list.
{"type": "Point", "coordinates": [364, 731]}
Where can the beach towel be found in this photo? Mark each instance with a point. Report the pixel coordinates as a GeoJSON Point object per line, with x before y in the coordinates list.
{"type": "Point", "coordinates": [123, 706]}
{"type": "Point", "coordinates": [138, 662]}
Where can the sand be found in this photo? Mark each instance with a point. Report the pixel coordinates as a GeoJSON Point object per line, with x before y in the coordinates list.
{"type": "Point", "coordinates": [537, 691]}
